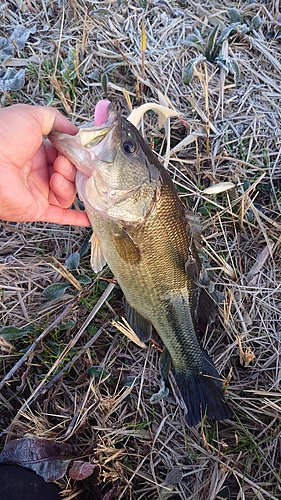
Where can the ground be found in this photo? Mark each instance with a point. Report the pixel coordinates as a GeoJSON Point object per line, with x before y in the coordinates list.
{"type": "Point", "coordinates": [229, 130]}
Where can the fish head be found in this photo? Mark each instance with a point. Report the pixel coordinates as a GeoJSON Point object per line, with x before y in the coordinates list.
{"type": "Point", "coordinates": [117, 175]}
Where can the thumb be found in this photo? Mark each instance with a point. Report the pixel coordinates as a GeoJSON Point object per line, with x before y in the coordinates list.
{"type": "Point", "coordinates": [51, 119]}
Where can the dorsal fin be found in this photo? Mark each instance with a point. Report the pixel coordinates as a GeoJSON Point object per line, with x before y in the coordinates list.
{"type": "Point", "coordinates": [207, 298]}
{"type": "Point", "coordinates": [192, 269]}
{"type": "Point", "coordinates": [207, 306]}
{"type": "Point", "coordinates": [193, 227]}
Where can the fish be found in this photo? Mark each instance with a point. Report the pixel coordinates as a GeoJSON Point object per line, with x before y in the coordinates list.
{"type": "Point", "coordinates": [145, 234]}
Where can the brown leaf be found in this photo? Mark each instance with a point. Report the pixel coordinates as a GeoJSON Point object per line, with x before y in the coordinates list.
{"type": "Point", "coordinates": [46, 457]}
{"type": "Point", "coordinates": [80, 470]}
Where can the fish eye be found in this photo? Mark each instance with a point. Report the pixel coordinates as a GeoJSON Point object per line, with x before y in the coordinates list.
{"type": "Point", "coordinates": [129, 146]}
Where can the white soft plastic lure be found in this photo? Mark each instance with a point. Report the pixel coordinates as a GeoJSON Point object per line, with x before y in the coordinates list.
{"type": "Point", "coordinates": [163, 113]}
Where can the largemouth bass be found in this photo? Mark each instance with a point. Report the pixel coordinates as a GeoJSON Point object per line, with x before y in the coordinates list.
{"type": "Point", "coordinates": [141, 230]}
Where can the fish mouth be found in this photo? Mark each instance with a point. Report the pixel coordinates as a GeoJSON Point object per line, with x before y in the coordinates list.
{"type": "Point", "coordinates": [91, 135]}
{"type": "Point", "coordinates": [90, 144]}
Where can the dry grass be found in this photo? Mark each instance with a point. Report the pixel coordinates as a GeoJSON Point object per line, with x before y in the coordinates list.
{"type": "Point", "coordinates": [237, 132]}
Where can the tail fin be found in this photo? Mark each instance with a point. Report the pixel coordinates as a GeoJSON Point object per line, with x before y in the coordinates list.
{"type": "Point", "coordinates": [202, 393]}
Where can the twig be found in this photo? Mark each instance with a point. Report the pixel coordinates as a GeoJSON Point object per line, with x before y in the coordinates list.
{"type": "Point", "coordinates": [33, 347]}
{"type": "Point", "coordinates": [71, 344]}
{"type": "Point", "coordinates": [71, 362]}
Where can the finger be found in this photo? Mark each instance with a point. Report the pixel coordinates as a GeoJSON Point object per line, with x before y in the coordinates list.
{"type": "Point", "coordinates": [52, 119]}
{"type": "Point", "coordinates": [63, 191]}
{"type": "Point", "coordinates": [51, 152]}
{"type": "Point", "coordinates": [58, 215]}
{"type": "Point", "coordinates": [63, 166]}
{"type": "Point", "coordinates": [24, 125]}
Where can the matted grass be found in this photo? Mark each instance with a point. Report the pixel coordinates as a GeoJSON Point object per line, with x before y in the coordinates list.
{"type": "Point", "coordinates": [146, 450]}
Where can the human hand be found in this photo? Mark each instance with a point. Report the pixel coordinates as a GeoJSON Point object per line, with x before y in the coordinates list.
{"type": "Point", "coordinates": [36, 184]}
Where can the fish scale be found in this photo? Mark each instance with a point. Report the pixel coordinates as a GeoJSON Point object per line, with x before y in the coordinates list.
{"type": "Point", "coordinates": [145, 237]}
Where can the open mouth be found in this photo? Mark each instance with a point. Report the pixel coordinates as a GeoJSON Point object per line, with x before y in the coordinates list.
{"type": "Point", "coordinates": [105, 120]}
{"type": "Point", "coordinates": [92, 142]}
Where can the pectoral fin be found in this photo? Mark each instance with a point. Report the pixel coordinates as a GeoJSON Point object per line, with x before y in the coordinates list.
{"type": "Point", "coordinates": [140, 325]}
{"type": "Point", "coordinates": [126, 247]}
{"type": "Point", "coordinates": [97, 258]}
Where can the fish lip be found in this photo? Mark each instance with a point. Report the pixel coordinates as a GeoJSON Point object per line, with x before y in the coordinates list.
{"type": "Point", "coordinates": [84, 146]}
{"type": "Point", "coordinates": [91, 136]}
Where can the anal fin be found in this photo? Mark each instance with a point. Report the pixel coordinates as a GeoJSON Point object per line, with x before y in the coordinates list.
{"type": "Point", "coordinates": [164, 367]}
{"type": "Point", "coordinates": [165, 364]}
